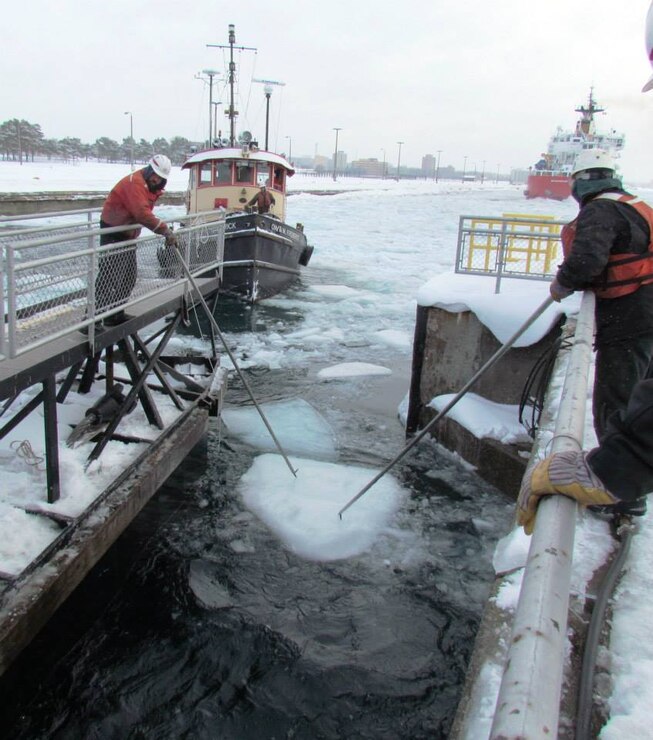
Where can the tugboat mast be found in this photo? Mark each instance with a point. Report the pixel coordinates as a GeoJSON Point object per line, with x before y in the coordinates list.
{"type": "Point", "coordinates": [232, 112]}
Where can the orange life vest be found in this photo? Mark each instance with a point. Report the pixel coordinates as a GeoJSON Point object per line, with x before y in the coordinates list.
{"type": "Point", "coordinates": [625, 272]}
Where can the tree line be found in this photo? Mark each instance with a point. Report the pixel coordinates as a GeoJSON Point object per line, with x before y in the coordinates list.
{"type": "Point", "coordinates": [22, 141]}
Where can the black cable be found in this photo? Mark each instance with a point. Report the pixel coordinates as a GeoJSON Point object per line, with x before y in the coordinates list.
{"type": "Point", "coordinates": [586, 685]}
{"type": "Point", "coordinates": [536, 385]}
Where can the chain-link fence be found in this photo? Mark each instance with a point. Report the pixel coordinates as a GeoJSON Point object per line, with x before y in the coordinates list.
{"type": "Point", "coordinates": [512, 245]}
{"type": "Point", "coordinates": [64, 280]}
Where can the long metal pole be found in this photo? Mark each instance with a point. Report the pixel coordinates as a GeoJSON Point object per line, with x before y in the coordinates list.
{"type": "Point", "coordinates": [267, 118]}
{"type": "Point", "coordinates": [243, 379]}
{"type": "Point", "coordinates": [528, 705]}
{"type": "Point", "coordinates": [399, 160]}
{"type": "Point", "coordinates": [496, 356]}
{"type": "Point", "coordinates": [232, 78]}
{"type": "Point", "coordinates": [210, 108]}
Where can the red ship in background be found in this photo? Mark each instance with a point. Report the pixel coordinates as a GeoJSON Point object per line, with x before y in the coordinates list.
{"type": "Point", "coordinates": [549, 178]}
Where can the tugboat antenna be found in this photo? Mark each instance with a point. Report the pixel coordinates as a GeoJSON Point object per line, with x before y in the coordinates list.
{"type": "Point", "coordinates": [232, 112]}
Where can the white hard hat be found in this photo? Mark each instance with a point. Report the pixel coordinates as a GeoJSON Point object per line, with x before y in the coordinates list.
{"type": "Point", "coordinates": [649, 45]}
{"type": "Point", "coordinates": [590, 159]}
{"type": "Point", "coordinates": [161, 165]}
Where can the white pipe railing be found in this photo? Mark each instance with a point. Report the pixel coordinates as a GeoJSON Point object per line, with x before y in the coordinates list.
{"type": "Point", "coordinates": [528, 705]}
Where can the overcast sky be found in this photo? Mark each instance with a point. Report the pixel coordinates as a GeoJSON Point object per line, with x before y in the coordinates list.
{"type": "Point", "coordinates": [485, 80]}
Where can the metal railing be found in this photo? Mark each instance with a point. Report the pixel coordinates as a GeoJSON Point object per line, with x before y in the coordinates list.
{"type": "Point", "coordinates": [512, 245]}
{"type": "Point", "coordinates": [59, 279]}
{"type": "Point", "coordinates": [528, 705]}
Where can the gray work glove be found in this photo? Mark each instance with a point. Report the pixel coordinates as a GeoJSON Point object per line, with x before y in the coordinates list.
{"type": "Point", "coordinates": [171, 240]}
{"type": "Point", "coordinates": [558, 292]}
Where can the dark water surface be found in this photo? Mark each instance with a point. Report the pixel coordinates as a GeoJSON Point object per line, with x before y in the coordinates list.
{"type": "Point", "coordinates": [199, 623]}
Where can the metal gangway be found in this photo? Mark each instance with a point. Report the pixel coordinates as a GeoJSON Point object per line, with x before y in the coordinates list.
{"type": "Point", "coordinates": [49, 273]}
{"type": "Point", "coordinates": [511, 246]}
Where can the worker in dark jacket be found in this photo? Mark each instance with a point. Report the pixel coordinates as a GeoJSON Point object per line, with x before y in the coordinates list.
{"type": "Point", "coordinates": [608, 250]}
{"type": "Point", "coordinates": [617, 474]}
{"type": "Point", "coordinates": [131, 201]}
{"type": "Point", "coordinates": [263, 200]}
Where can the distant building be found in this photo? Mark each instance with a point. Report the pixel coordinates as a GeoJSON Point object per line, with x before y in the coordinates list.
{"type": "Point", "coordinates": [368, 168]}
{"type": "Point", "coordinates": [321, 163]}
{"type": "Point", "coordinates": [341, 161]}
{"type": "Point", "coordinates": [428, 165]}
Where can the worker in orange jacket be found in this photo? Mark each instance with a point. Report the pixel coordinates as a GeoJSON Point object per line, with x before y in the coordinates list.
{"type": "Point", "coordinates": [131, 201]}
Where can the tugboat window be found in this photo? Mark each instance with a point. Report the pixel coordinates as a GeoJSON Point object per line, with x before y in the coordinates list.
{"type": "Point", "coordinates": [205, 173]}
{"type": "Point", "coordinates": [223, 173]}
{"type": "Point", "coordinates": [278, 178]}
{"type": "Point", "coordinates": [262, 174]}
{"type": "Point", "coordinates": [245, 173]}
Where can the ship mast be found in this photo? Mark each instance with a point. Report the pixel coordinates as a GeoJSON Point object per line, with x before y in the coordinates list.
{"type": "Point", "coordinates": [232, 112]}
{"type": "Point", "coordinates": [586, 123]}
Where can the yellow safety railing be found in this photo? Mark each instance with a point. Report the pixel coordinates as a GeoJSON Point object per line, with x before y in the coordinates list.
{"type": "Point", "coordinates": [527, 239]}
{"type": "Point", "coordinates": [544, 243]}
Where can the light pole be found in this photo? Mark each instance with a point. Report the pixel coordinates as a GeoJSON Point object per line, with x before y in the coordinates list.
{"type": "Point", "coordinates": [464, 167]}
{"type": "Point", "coordinates": [267, 89]}
{"type": "Point", "coordinates": [399, 160]}
{"type": "Point", "coordinates": [335, 153]}
{"type": "Point", "coordinates": [437, 167]}
{"type": "Point", "coordinates": [383, 166]}
{"type": "Point", "coordinates": [483, 173]}
{"type": "Point", "coordinates": [210, 73]}
{"type": "Point", "coordinates": [289, 148]}
{"type": "Point", "coordinates": [131, 138]}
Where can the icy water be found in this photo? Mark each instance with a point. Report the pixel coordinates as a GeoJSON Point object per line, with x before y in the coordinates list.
{"type": "Point", "coordinates": [199, 623]}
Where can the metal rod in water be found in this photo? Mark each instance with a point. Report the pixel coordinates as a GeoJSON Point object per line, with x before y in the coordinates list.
{"type": "Point", "coordinates": [233, 360]}
{"type": "Point", "coordinates": [496, 356]}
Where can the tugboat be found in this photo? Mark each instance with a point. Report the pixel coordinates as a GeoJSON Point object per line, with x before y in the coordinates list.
{"type": "Point", "coordinates": [549, 178]}
{"type": "Point", "coordinates": [247, 185]}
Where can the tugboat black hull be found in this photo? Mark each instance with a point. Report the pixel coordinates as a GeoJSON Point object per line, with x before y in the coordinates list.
{"type": "Point", "coordinates": [262, 256]}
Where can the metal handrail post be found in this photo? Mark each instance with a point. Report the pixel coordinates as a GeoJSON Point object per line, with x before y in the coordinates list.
{"type": "Point", "coordinates": [501, 257]}
{"type": "Point", "coordinates": [2, 301]}
{"type": "Point", "coordinates": [528, 705]}
{"type": "Point", "coordinates": [11, 302]}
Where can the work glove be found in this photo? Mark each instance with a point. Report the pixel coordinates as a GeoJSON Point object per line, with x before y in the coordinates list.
{"type": "Point", "coordinates": [565, 473]}
{"type": "Point", "coordinates": [558, 292]}
{"type": "Point", "coordinates": [171, 240]}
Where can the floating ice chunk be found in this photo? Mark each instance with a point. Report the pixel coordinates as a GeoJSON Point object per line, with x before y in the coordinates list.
{"type": "Point", "coordinates": [351, 369]}
{"type": "Point", "coordinates": [303, 511]}
{"type": "Point", "coordinates": [206, 587]}
{"type": "Point", "coordinates": [394, 338]}
{"type": "Point", "coordinates": [297, 425]}
{"type": "Point", "coordinates": [337, 292]}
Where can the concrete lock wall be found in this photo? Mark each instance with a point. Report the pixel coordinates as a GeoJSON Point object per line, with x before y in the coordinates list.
{"type": "Point", "coordinates": [449, 348]}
